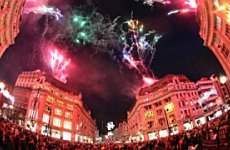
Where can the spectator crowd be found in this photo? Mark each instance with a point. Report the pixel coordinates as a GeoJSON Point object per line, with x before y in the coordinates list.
{"type": "Point", "coordinates": [215, 132]}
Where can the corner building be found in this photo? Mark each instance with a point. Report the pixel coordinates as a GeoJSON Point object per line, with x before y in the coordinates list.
{"type": "Point", "coordinates": [210, 92]}
{"type": "Point", "coordinates": [214, 22]}
{"type": "Point", "coordinates": [10, 16]}
{"type": "Point", "coordinates": [167, 107]}
{"type": "Point", "coordinates": [55, 109]}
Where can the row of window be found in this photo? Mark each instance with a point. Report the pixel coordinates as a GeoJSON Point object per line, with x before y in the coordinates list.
{"type": "Point", "coordinates": [189, 94]}
{"type": "Point", "coordinates": [227, 31]}
{"type": "Point", "coordinates": [3, 21]}
{"type": "Point", "coordinates": [59, 103]}
{"type": "Point", "coordinates": [186, 112]}
{"type": "Point", "coordinates": [183, 104]}
{"type": "Point", "coordinates": [148, 107]}
{"type": "Point", "coordinates": [59, 112]}
{"type": "Point", "coordinates": [216, 39]}
{"type": "Point", "coordinates": [3, 38]}
{"type": "Point", "coordinates": [57, 122]}
{"type": "Point", "coordinates": [225, 51]}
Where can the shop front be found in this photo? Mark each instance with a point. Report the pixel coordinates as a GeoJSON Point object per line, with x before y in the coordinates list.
{"type": "Point", "coordinates": [67, 136]}
{"type": "Point", "coordinates": [174, 130]}
{"type": "Point", "coordinates": [152, 135]}
{"type": "Point", "coordinates": [56, 134]}
{"type": "Point", "coordinates": [200, 121]}
{"type": "Point", "coordinates": [188, 126]}
{"type": "Point", "coordinates": [163, 133]}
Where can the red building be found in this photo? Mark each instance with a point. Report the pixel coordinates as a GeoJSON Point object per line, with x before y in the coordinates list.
{"type": "Point", "coordinates": [168, 106]}
{"type": "Point", "coordinates": [121, 133]}
{"type": "Point", "coordinates": [10, 16]}
{"type": "Point", "coordinates": [210, 98]}
{"type": "Point", "coordinates": [214, 21]}
{"type": "Point", "coordinates": [53, 108]}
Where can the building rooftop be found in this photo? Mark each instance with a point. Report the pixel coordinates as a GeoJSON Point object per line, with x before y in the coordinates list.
{"type": "Point", "coordinates": [163, 82]}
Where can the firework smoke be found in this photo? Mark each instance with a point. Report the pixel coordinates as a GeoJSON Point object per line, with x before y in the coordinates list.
{"type": "Point", "coordinates": [44, 10]}
{"type": "Point", "coordinates": [151, 2]}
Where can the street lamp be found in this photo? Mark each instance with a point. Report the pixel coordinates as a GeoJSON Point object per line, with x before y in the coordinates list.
{"type": "Point", "coordinates": [48, 127]}
{"type": "Point", "coordinates": [34, 108]}
{"type": "Point", "coordinates": [223, 79]}
{"type": "Point", "coordinates": [11, 107]}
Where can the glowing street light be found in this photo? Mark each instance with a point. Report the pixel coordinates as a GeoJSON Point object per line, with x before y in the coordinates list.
{"type": "Point", "coordinates": [11, 106]}
{"type": "Point", "coordinates": [223, 79]}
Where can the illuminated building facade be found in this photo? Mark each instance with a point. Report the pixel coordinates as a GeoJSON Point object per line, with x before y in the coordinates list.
{"type": "Point", "coordinates": [53, 108]}
{"type": "Point", "coordinates": [121, 133]}
{"type": "Point", "coordinates": [168, 106]}
{"type": "Point", "coordinates": [10, 16]}
{"type": "Point", "coordinates": [210, 93]}
{"type": "Point", "coordinates": [214, 21]}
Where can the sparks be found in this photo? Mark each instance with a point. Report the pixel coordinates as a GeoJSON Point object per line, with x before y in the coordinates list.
{"type": "Point", "coordinates": [139, 47]}
{"type": "Point", "coordinates": [191, 3]}
{"type": "Point", "coordinates": [151, 2]}
{"type": "Point", "coordinates": [148, 80]}
{"type": "Point", "coordinates": [45, 10]}
{"type": "Point", "coordinates": [59, 65]}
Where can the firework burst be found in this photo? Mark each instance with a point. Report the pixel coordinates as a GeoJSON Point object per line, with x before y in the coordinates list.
{"type": "Point", "coordinates": [59, 65]}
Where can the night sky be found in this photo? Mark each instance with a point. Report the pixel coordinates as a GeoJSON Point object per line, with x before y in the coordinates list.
{"type": "Point", "coordinates": [108, 88]}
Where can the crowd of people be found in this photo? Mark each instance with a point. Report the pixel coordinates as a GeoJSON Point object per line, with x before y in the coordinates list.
{"type": "Point", "coordinates": [217, 131]}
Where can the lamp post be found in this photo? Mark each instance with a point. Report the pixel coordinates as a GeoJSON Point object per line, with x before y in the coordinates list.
{"type": "Point", "coordinates": [11, 111]}
{"type": "Point", "coordinates": [223, 79]}
{"type": "Point", "coordinates": [34, 108]}
{"type": "Point", "coordinates": [168, 128]}
{"type": "Point", "coordinates": [48, 127]}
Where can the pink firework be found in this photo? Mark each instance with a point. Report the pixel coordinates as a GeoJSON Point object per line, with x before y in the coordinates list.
{"type": "Point", "coordinates": [191, 3]}
{"type": "Point", "coordinates": [130, 60]}
{"type": "Point", "coordinates": [58, 65]}
{"type": "Point", "coordinates": [148, 80]}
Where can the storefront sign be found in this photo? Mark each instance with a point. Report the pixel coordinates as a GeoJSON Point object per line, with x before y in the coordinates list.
{"type": "Point", "coordinates": [149, 114]}
{"type": "Point", "coordinates": [169, 107]}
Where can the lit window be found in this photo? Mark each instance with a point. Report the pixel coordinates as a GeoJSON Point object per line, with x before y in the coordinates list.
{"type": "Point", "coordinates": [50, 99]}
{"type": "Point", "coordinates": [70, 107]}
{"type": "Point", "coordinates": [57, 112]}
{"type": "Point", "coordinates": [67, 136]}
{"type": "Point", "coordinates": [228, 13]}
{"type": "Point", "coordinates": [45, 118]}
{"type": "Point", "coordinates": [57, 122]}
{"type": "Point", "coordinates": [225, 51]}
{"type": "Point", "coordinates": [215, 40]}
{"type": "Point", "coordinates": [216, 3]}
{"type": "Point", "coordinates": [68, 115]}
{"type": "Point", "coordinates": [227, 31]}
{"type": "Point", "coordinates": [67, 125]}
{"type": "Point", "coordinates": [56, 134]}
{"type": "Point", "coordinates": [150, 124]}
{"type": "Point", "coordinates": [59, 103]}
{"type": "Point", "coordinates": [47, 108]}
{"type": "Point", "coordinates": [217, 22]}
